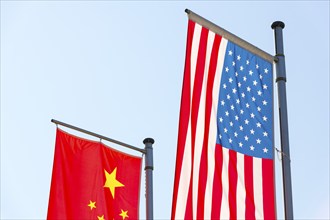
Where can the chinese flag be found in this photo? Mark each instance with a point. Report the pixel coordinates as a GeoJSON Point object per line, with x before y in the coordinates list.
{"type": "Point", "coordinates": [93, 181]}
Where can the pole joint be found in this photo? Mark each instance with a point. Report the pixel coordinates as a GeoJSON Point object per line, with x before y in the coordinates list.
{"type": "Point", "coordinates": [149, 168]}
{"type": "Point", "coordinates": [281, 78]}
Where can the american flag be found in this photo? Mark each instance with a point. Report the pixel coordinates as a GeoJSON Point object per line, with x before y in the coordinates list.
{"type": "Point", "coordinates": [224, 165]}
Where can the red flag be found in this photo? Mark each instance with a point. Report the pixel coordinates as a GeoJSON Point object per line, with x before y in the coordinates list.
{"type": "Point", "coordinates": [224, 166]}
{"type": "Point", "coordinates": [93, 181]}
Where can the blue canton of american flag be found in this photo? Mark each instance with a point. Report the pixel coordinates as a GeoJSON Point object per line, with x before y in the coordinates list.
{"type": "Point", "coordinates": [245, 104]}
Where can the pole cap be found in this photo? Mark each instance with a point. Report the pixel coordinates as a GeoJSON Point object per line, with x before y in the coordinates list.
{"type": "Point", "coordinates": [148, 140]}
{"type": "Point", "coordinates": [278, 24]}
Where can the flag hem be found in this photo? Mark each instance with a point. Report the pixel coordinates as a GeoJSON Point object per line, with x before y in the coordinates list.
{"type": "Point", "coordinates": [103, 144]}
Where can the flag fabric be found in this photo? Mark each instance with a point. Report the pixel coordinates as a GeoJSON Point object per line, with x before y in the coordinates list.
{"type": "Point", "coordinates": [93, 181]}
{"type": "Point", "coordinates": [224, 165]}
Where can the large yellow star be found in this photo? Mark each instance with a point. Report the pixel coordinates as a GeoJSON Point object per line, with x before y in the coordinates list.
{"type": "Point", "coordinates": [111, 181]}
{"type": "Point", "coordinates": [92, 204]}
{"type": "Point", "coordinates": [124, 214]}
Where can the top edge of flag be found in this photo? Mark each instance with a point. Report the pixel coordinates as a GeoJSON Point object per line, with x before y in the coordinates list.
{"type": "Point", "coordinates": [98, 136]}
{"type": "Point", "coordinates": [229, 36]}
{"type": "Point", "coordinates": [86, 140]}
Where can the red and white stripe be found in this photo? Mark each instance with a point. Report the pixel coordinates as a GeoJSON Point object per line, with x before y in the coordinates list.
{"type": "Point", "coordinates": [212, 182]}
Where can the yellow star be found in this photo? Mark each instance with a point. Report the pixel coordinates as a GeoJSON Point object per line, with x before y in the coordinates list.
{"type": "Point", "coordinates": [111, 181]}
{"type": "Point", "coordinates": [100, 218]}
{"type": "Point", "coordinates": [124, 214]}
{"type": "Point", "coordinates": [92, 204]}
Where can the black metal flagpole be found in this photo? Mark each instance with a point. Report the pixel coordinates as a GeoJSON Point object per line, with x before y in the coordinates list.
{"type": "Point", "coordinates": [149, 167]}
{"type": "Point", "coordinates": [284, 130]}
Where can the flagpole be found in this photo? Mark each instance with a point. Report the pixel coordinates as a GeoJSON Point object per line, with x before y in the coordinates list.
{"type": "Point", "coordinates": [149, 167]}
{"type": "Point", "coordinates": [278, 26]}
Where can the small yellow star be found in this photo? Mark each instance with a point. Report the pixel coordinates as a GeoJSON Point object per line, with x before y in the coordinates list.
{"type": "Point", "coordinates": [123, 214]}
{"type": "Point", "coordinates": [111, 181]}
{"type": "Point", "coordinates": [92, 204]}
{"type": "Point", "coordinates": [100, 218]}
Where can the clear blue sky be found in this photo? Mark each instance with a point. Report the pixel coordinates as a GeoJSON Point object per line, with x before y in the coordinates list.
{"type": "Point", "coordinates": [116, 68]}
